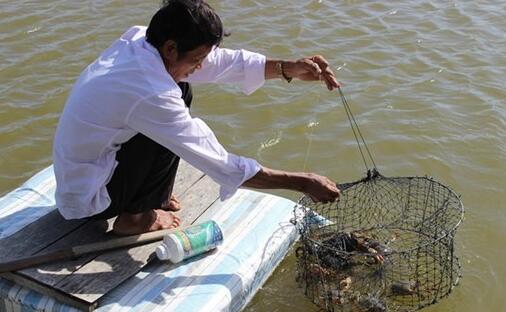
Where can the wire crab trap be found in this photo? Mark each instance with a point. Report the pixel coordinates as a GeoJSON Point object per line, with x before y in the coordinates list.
{"type": "Point", "coordinates": [386, 245]}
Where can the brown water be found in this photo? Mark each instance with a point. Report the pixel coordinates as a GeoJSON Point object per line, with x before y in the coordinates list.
{"type": "Point", "coordinates": [425, 79]}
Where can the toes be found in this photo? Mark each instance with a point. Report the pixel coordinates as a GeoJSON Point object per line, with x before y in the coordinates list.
{"type": "Point", "coordinates": [175, 206]}
{"type": "Point", "coordinates": [176, 221]}
{"type": "Point", "coordinates": [174, 199]}
{"type": "Point", "coordinates": [172, 205]}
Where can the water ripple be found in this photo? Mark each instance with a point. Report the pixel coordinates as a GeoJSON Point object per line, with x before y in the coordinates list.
{"type": "Point", "coordinates": [425, 80]}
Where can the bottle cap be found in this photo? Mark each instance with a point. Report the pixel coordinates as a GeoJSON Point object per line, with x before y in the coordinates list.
{"type": "Point", "coordinates": [161, 252]}
{"type": "Point", "coordinates": [190, 242]}
{"type": "Point", "coordinates": [170, 250]}
{"type": "Point", "coordinates": [174, 248]}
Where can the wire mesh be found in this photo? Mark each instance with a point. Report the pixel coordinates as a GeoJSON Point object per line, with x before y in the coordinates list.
{"type": "Point", "coordinates": [386, 245]}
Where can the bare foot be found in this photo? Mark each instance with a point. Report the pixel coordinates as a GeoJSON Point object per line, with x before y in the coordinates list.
{"type": "Point", "coordinates": [149, 221]}
{"type": "Point", "coordinates": [172, 205]}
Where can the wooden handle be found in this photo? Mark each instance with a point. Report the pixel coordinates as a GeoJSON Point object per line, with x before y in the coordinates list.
{"type": "Point", "coordinates": [121, 242]}
{"type": "Point", "coordinates": [27, 262]}
{"type": "Point", "coordinates": [115, 243]}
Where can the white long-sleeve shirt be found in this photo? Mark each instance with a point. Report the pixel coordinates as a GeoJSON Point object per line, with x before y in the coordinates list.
{"type": "Point", "coordinates": [126, 91]}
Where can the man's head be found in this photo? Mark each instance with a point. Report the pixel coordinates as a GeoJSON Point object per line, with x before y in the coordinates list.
{"type": "Point", "coordinates": [184, 32]}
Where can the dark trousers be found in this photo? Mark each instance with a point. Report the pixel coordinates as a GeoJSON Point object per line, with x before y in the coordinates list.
{"type": "Point", "coordinates": [145, 174]}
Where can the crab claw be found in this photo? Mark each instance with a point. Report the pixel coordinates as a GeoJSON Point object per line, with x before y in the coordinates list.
{"type": "Point", "coordinates": [377, 256]}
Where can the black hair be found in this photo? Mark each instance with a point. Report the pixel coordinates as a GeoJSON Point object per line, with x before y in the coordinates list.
{"type": "Point", "coordinates": [189, 23]}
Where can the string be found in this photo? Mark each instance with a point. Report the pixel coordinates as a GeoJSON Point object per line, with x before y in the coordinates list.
{"type": "Point", "coordinates": [311, 126]}
{"type": "Point", "coordinates": [356, 132]}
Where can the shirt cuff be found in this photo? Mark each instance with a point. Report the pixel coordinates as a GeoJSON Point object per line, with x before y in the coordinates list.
{"type": "Point", "coordinates": [254, 71]}
{"type": "Point", "coordinates": [250, 168]}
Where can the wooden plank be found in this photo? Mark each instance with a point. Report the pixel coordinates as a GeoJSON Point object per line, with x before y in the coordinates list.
{"type": "Point", "coordinates": [51, 274]}
{"type": "Point", "coordinates": [36, 236]}
{"type": "Point", "coordinates": [95, 279]}
{"type": "Point", "coordinates": [98, 277]}
{"type": "Point", "coordinates": [200, 197]}
{"type": "Point", "coordinates": [93, 276]}
{"type": "Point", "coordinates": [186, 176]}
{"type": "Point", "coordinates": [91, 232]}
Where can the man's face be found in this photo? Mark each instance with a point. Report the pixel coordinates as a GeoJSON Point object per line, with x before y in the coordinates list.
{"type": "Point", "coordinates": [180, 66]}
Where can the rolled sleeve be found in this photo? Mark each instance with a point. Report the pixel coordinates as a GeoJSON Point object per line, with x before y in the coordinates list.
{"type": "Point", "coordinates": [232, 66]}
{"type": "Point", "coordinates": [254, 71]}
{"type": "Point", "coordinates": [250, 168]}
{"type": "Point", "coordinates": [166, 120]}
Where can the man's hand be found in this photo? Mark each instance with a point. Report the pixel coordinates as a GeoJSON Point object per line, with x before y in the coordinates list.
{"type": "Point", "coordinates": [320, 188]}
{"type": "Point", "coordinates": [317, 187]}
{"type": "Point", "coordinates": [311, 69]}
{"type": "Point", "coordinates": [308, 69]}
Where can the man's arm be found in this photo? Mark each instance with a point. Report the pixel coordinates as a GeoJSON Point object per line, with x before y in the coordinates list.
{"type": "Point", "coordinates": [307, 69]}
{"type": "Point", "coordinates": [240, 67]}
{"type": "Point", "coordinates": [250, 69]}
{"type": "Point", "coordinates": [319, 188]}
{"type": "Point", "coordinates": [165, 119]}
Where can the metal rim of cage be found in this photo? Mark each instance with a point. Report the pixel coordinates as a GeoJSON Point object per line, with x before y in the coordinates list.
{"type": "Point", "coordinates": [307, 214]}
{"type": "Point", "coordinates": [427, 291]}
{"type": "Point", "coordinates": [305, 220]}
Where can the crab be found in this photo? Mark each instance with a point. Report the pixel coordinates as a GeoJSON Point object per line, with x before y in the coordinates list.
{"type": "Point", "coordinates": [339, 296]}
{"type": "Point", "coordinates": [371, 303]}
{"type": "Point", "coordinates": [404, 288]}
{"type": "Point", "coordinates": [367, 244]}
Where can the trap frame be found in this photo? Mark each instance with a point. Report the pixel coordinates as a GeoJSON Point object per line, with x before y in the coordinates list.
{"type": "Point", "coordinates": [386, 245]}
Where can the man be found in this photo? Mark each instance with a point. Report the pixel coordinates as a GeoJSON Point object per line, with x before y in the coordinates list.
{"type": "Point", "coordinates": [127, 122]}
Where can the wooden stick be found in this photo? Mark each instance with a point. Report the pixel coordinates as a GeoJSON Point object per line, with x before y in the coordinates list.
{"type": "Point", "coordinates": [73, 252]}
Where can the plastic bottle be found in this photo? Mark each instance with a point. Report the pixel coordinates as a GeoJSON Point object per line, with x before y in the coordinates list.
{"type": "Point", "coordinates": [192, 241]}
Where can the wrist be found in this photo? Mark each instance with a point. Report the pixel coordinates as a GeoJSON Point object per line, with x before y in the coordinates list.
{"type": "Point", "coordinates": [283, 70]}
{"type": "Point", "coordinates": [301, 182]}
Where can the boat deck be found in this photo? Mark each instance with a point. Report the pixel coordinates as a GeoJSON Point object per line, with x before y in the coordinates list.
{"type": "Point", "coordinates": [257, 234]}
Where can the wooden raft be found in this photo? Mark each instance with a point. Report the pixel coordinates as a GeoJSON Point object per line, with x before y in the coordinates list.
{"type": "Point", "coordinates": [83, 281]}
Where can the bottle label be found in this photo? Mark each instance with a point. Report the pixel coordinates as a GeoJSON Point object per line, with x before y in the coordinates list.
{"type": "Point", "coordinates": [199, 238]}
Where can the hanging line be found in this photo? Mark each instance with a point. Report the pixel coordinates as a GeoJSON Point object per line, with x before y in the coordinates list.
{"type": "Point", "coordinates": [356, 130]}
{"type": "Point", "coordinates": [311, 125]}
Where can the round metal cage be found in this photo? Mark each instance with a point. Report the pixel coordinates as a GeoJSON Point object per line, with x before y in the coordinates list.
{"type": "Point", "coordinates": [386, 245]}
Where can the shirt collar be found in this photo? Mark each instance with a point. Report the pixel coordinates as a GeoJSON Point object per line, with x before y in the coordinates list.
{"type": "Point", "coordinates": [148, 46]}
